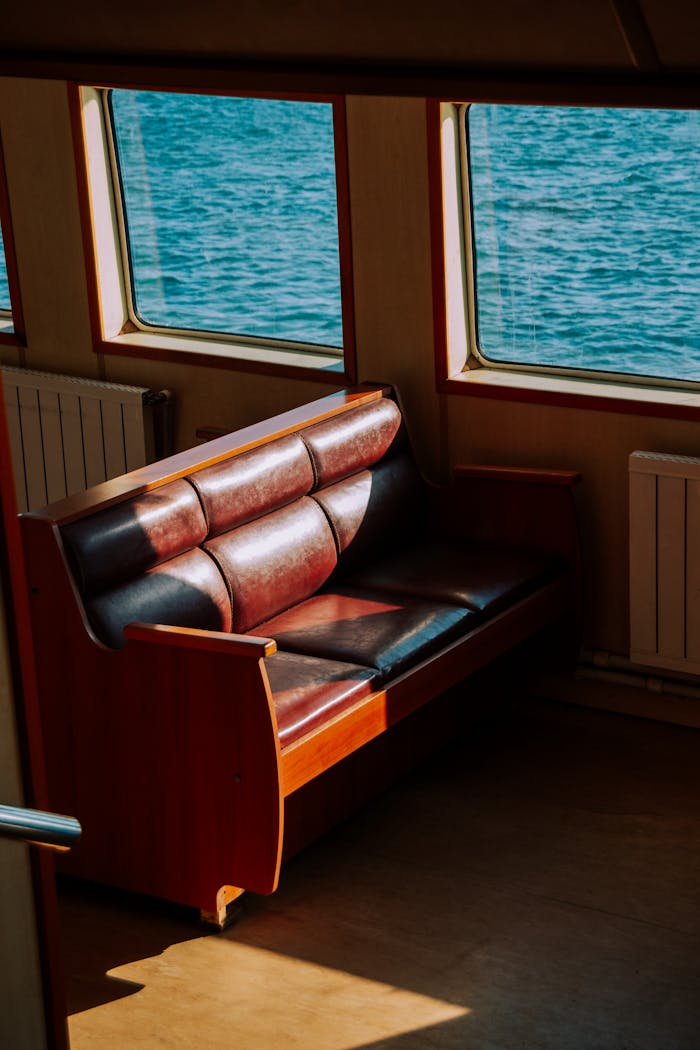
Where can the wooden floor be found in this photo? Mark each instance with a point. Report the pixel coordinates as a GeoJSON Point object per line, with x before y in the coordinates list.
{"type": "Point", "coordinates": [535, 887]}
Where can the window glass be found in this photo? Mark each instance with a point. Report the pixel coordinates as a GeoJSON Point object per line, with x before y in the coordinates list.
{"type": "Point", "coordinates": [4, 286]}
{"type": "Point", "coordinates": [230, 214]}
{"type": "Point", "coordinates": [586, 228]}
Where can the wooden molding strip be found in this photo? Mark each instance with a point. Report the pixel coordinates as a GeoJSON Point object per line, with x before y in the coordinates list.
{"type": "Point", "coordinates": [537, 476]}
{"type": "Point", "coordinates": [626, 86]}
{"type": "Point", "coordinates": [567, 392]}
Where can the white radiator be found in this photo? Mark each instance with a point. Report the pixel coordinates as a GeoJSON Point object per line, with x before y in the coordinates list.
{"type": "Point", "coordinates": [67, 434]}
{"type": "Point", "coordinates": [665, 561]}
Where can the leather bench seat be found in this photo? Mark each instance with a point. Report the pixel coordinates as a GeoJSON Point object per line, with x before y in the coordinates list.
{"type": "Point", "coordinates": [483, 577]}
{"type": "Point", "coordinates": [386, 632]}
{"type": "Point", "coordinates": [154, 596]}
{"type": "Point", "coordinates": [308, 691]}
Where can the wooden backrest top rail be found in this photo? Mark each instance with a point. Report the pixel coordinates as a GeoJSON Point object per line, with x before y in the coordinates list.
{"type": "Point", "coordinates": [154, 475]}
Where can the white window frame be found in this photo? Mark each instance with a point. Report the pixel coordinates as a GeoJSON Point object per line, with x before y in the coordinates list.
{"type": "Point", "coordinates": [11, 319]}
{"type": "Point", "coordinates": [120, 328]}
{"type": "Point", "coordinates": [465, 359]}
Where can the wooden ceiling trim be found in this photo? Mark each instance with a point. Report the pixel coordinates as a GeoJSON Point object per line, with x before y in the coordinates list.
{"type": "Point", "coordinates": [632, 87]}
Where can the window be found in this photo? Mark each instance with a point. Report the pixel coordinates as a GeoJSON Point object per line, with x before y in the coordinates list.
{"type": "Point", "coordinates": [229, 220]}
{"type": "Point", "coordinates": [5, 306]}
{"type": "Point", "coordinates": [583, 238]}
{"type": "Point", "coordinates": [11, 324]}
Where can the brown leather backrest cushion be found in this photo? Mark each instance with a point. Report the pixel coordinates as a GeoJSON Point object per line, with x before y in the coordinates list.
{"type": "Point", "coordinates": [140, 561]}
{"type": "Point", "coordinates": [353, 441]}
{"type": "Point", "coordinates": [187, 591]}
{"type": "Point", "coordinates": [257, 482]}
{"type": "Point", "coordinates": [269, 544]}
{"type": "Point", "coordinates": [125, 540]}
{"type": "Point", "coordinates": [274, 562]}
{"type": "Point", "coordinates": [374, 511]}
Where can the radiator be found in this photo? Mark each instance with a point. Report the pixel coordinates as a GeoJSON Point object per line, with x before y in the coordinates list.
{"type": "Point", "coordinates": [665, 561]}
{"type": "Point", "coordinates": [67, 434]}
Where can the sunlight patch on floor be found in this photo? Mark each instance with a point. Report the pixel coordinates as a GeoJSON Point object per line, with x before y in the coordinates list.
{"type": "Point", "coordinates": [253, 999]}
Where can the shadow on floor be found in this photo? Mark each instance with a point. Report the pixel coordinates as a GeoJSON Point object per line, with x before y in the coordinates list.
{"type": "Point", "coordinates": [104, 928]}
{"type": "Point", "coordinates": [534, 886]}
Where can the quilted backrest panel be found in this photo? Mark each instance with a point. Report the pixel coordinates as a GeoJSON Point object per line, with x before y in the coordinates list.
{"type": "Point", "coordinates": [125, 540]}
{"type": "Point", "coordinates": [240, 541]}
{"type": "Point", "coordinates": [187, 591]}
{"type": "Point", "coordinates": [353, 441]}
{"type": "Point", "coordinates": [374, 511]}
{"type": "Point", "coordinates": [140, 561]}
{"type": "Point", "coordinates": [240, 489]}
{"type": "Point", "coordinates": [274, 562]}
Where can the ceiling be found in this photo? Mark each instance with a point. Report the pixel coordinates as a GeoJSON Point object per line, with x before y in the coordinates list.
{"type": "Point", "coordinates": [364, 45]}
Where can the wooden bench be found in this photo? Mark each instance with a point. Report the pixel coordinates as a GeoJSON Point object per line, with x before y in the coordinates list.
{"type": "Point", "coordinates": [218, 630]}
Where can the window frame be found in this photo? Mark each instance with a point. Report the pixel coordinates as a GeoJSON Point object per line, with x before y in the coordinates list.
{"type": "Point", "coordinates": [116, 328]}
{"type": "Point", "coordinates": [12, 331]}
{"type": "Point", "coordinates": [461, 368]}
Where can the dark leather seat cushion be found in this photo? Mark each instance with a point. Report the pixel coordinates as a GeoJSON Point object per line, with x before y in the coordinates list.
{"type": "Point", "coordinates": [368, 628]}
{"type": "Point", "coordinates": [484, 577]}
{"type": "Point", "coordinates": [308, 691]}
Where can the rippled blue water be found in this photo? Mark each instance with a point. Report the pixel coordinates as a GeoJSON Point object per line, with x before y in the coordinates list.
{"type": "Point", "coordinates": [4, 289]}
{"type": "Point", "coordinates": [231, 208]}
{"type": "Point", "coordinates": [587, 228]}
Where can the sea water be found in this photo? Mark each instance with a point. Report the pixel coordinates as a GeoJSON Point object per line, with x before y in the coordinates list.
{"type": "Point", "coordinates": [4, 287]}
{"type": "Point", "coordinates": [232, 215]}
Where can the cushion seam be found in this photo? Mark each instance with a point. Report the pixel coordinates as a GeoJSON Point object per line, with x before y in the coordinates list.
{"type": "Point", "coordinates": [190, 480]}
{"type": "Point", "coordinates": [223, 576]}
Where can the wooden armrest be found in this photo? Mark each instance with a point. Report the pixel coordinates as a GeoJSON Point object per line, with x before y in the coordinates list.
{"type": "Point", "coordinates": [205, 641]}
{"type": "Point", "coordinates": [519, 506]}
{"type": "Point", "coordinates": [532, 475]}
{"type": "Point", "coordinates": [189, 713]}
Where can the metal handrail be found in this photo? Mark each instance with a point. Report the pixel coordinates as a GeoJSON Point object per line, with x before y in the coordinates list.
{"type": "Point", "coordinates": [39, 828]}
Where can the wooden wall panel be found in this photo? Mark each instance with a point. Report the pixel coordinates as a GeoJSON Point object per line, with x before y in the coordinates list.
{"type": "Point", "coordinates": [391, 246]}
{"type": "Point", "coordinates": [692, 608]}
{"type": "Point", "coordinates": [675, 30]}
{"type": "Point", "coordinates": [596, 443]}
{"type": "Point", "coordinates": [43, 196]}
{"type": "Point", "coordinates": [21, 1009]}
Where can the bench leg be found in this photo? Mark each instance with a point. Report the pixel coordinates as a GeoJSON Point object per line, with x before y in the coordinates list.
{"type": "Point", "coordinates": [226, 910]}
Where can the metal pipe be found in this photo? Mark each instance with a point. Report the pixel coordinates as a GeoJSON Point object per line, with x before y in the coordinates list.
{"type": "Point", "coordinates": [39, 828]}
{"type": "Point", "coordinates": [617, 669]}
